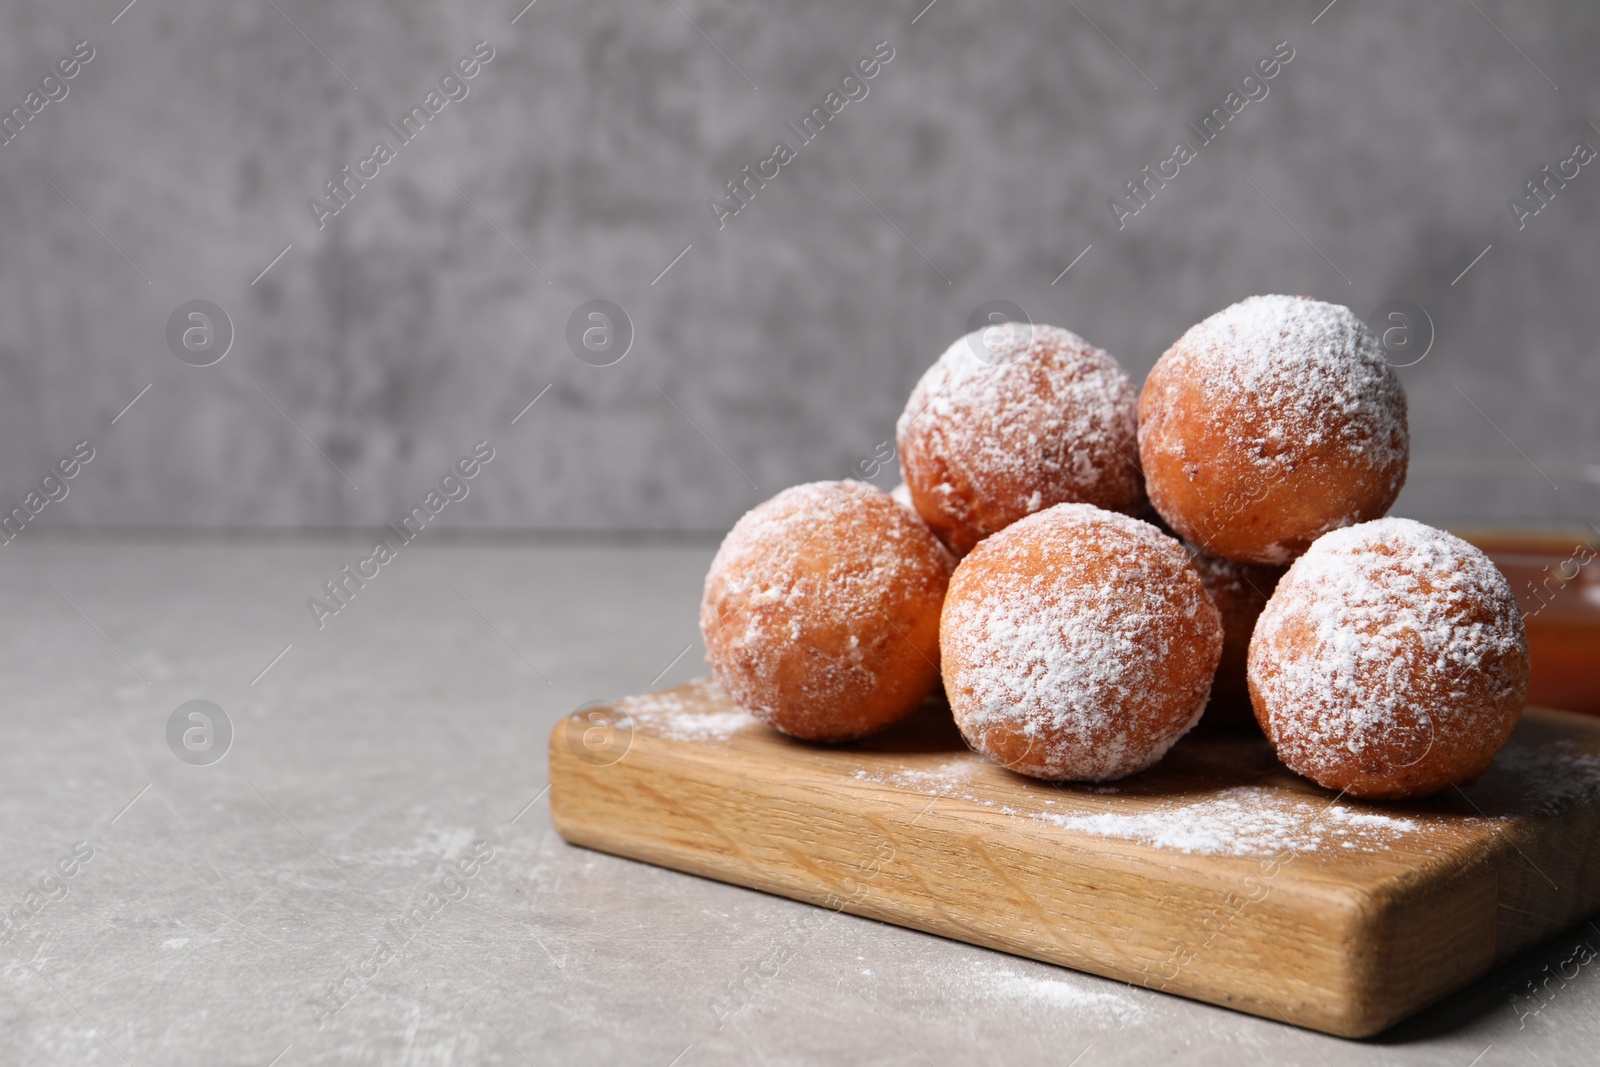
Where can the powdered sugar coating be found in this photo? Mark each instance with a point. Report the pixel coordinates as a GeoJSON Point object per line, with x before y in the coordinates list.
{"type": "Point", "coordinates": [1391, 661]}
{"type": "Point", "coordinates": [1052, 419]}
{"type": "Point", "coordinates": [1077, 643]}
{"type": "Point", "coordinates": [1270, 423]}
{"type": "Point", "coordinates": [821, 610]}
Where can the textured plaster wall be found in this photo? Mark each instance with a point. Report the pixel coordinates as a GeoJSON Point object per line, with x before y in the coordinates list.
{"type": "Point", "coordinates": [429, 312]}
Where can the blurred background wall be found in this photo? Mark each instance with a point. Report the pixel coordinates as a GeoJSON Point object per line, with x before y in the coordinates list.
{"type": "Point", "coordinates": [381, 342]}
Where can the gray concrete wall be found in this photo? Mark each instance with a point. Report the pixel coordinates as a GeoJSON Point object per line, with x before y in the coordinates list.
{"type": "Point", "coordinates": [428, 312]}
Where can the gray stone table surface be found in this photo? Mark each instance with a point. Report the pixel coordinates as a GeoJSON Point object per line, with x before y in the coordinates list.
{"type": "Point", "coordinates": [399, 751]}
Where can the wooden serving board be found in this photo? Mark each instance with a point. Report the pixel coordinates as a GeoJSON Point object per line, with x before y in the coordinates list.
{"type": "Point", "coordinates": [1217, 875]}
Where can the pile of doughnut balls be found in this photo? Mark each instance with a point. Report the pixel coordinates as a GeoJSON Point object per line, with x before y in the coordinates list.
{"type": "Point", "coordinates": [1089, 568]}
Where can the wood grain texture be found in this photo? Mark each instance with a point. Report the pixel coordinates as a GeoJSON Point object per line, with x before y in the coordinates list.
{"type": "Point", "coordinates": [1217, 875]}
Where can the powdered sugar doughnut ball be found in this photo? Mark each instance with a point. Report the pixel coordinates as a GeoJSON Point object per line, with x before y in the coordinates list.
{"type": "Point", "coordinates": [1078, 643]}
{"type": "Point", "coordinates": [1269, 424]}
{"type": "Point", "coordinates": [1240, 592]}
{"type": "Point", "coordinates": [1390, 662]}
{"type": "Point", "coordinates": [1012, 420]}
{"type": "Point", "coordinates": [821, 611]}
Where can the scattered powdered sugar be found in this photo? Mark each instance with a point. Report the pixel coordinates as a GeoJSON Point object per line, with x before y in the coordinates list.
{"type": "Point", "coordinates": [946, 780]}
{"type": "Point", "coordinates": [685, 714]}
{"type": "Point", "coordinates": [1245, 821]}
{"type": "Point", "coordinates": [1074, 993]}
{"type": "Point", "coordinates": [953, 780]}
{"type": "Point", "coordinates": [1382, 638]}
{"type": "Point", "coordinates": [1045, 418]}
{"type": "Point", "coordinates": [1085, 631]}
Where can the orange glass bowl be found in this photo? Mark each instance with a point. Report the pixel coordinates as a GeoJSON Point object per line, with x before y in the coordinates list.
{"type": "Point", "coordinates": [1556, 578]}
